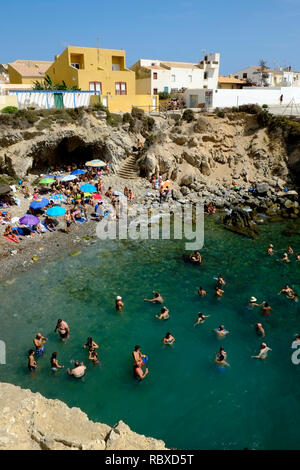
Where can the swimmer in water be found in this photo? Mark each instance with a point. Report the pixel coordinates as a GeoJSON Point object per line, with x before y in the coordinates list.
{"type": "Point", "coordinates": [93, 356]}
{"type": "Point", "coordinates": [54, 363]}
{"type": "Point", "coordinates": [266, 308]}
{"type": "Point", "coordinates": [168, 339]}
{"type": "Point", "coordinates": [221, 281]}
{"type": "Point", "coordinates": [39, 342]}
{"type": "Point", "coordinates": [164, 314]}
{"type": "Point", "coordinates": [296, 342]}
{"type": "Point", "coordinates": [297, 257]}
{"type": "Point", "coordinates": [221, 332]}
{"type": "Point", "coordinates": [32, 365]}
{"type": "Point", "coordinates": [138, 356]}
{"type": "Point", "coordinates": [157, 299]}
{"type": "Point", "coordinates": [138, 372]}
{"type": "Point", "coordinates": [285, 258]}
{"type": "Point", "coordinates": [290, 250]}
{"type": "Point", "coordinates": [63, 329]}
{"type": "Point", "coordinates": [90, 344]}
{"type": "Point", "coordinates": [219, 292]}
{"type": "Point", "coordinates": [260, 330]}
{"type": "Point", "coordinates": [223, 352]}
{"type": "Point", "coordinates": [119, 304]}
{"type": "Point", "coordinates": [195, 257]}
{"type": "Point", "coordinates": [220, 360]}
{"type": "Point", "coordinates": [201, 291]}
{"type": "Point", "coordinates": [78, 371]}
{"type": "Point", "coordinates": [252, 302]}
{"type": "Point", "coordinates": [270, 250]}
{"type": "Point", "coordinates": [288, 291]}
{"type": "Point", "coordinates": [201, 318]}
{"type": "Point", "coordinates": [263, 353]}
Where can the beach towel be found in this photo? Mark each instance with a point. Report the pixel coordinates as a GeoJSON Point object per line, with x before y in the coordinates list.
{"type": "Point", "coordinates": [8, 237]}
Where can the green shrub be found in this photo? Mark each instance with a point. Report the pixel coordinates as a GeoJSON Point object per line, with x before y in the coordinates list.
{"type": "Point", "coordinates": [44, 124]}
{"type": "Point", "coordinates": [127, 118]}
{"type": "Point", "coordinates": [188, 115]}
{"type": "Point", "coordinates": [294, 132]}
{"type": "Point", "coordinates": [100, 107]}
{"type": "Point", "coordinates": [220, 114]}
{"type": "Point", "coordinates": [264, 118]}
{"type": "Point", "coordinates": [164, 95]}
{"type": "Point", "coordinates": [148, 124]}
{"type": "Point", "coordinates": [250, 108]}
{"type": "Point", "coordinates": [265, 106]}
{"type": "Point", "coordinates": [113, 119]}
{"type": "Point", "coordinates": [9, 110]}
{"type": "Point", "coordinates": [137, 113]}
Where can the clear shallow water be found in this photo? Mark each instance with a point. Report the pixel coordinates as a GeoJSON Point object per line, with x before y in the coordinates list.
{"type": "Point", "coordinates": [185, 400]}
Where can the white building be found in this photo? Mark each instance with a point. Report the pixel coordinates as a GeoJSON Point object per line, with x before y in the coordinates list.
{"type": "Point", "coordinates": [154, 76]}
{"type": "Point", "coordinates": [218, 98]}
{"type": "Point", "coordinates": [256, 75]}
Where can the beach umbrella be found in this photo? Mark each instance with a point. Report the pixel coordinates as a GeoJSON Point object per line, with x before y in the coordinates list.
{"type": "Point", "coordinates": [96, 163]}
{"type": "Point", "coordinates": [57, 198]}
{"type": "Point", "coordinates": [118, 193]}
{"type": "Point", "coordinates": [88, 188]}
{"type": "Point", "coordinates": [47, 181]}
{"type": "Point", "coordinates": [29, 220]}
{"type": "Point", "coordinates": [56, 211]}
{"type": "Point", "coordinates": [69, 178]}
{"type": "Point", "coordinates": [97, 196]}
{"type": "Point", "coordinates": [78, 172]}
{"type": "Point", "coordinates": [87, 194]}
{"type": "Point", "coordinates": [39, 203]}
{"type": "Point", "coordinates": [4, 188]}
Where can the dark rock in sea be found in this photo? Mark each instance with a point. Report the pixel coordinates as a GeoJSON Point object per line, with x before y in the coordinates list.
{"type": "Point", "coordinates": [240, 221]}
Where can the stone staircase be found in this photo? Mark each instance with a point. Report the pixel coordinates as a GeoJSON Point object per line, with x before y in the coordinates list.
{"type": "Point", "coordinates": [128, 169]}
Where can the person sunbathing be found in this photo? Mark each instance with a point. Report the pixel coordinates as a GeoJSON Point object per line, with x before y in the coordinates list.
{"type": "Point", "coordinates": [49, 224]}
{"type": "Point", "coordinates": [10, 235]}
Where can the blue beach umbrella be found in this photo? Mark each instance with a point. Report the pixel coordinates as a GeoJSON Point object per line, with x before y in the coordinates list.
{"type": "Point", "coordinates": [56, 211]}
{"type": "Point", "coordinates": [39, 203]}
{"type": "Point", "coordinates": [69, 178]}
{"type": "Point", "coordinates": [78, 172]}
{"type": "Point", "coordinates": [88, 188]}
{"type": "Point", "coordinates": [58, 198]}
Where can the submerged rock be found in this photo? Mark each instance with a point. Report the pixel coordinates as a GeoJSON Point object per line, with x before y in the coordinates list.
{"type": "Point", "coordinates": [240, 221]}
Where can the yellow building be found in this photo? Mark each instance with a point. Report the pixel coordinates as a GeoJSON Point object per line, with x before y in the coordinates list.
{"type": "Point", "coordinates": [101, 70]}
{"type": "Point", "coordinates": [27, 71]}
{"type": "Point", "coordinates": [230, 83]}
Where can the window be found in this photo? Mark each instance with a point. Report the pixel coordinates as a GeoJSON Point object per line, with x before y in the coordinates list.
{"type": "Point", "coordinates": [75, 65]}
{"type": "Point", "coordinates": [116, 67]}
{"type": "Point", "coordinates": [173, 78]}
{"type": "Point", "coordinates": [205, 75]}
{"type": "Point", "coordinates": [154, 75]}
{"type": "Point", "coordinates": [190, 77]}
{"type": "Point", "coordinates": [155, 92]}
{"type": "Point", "coordinates": [121, 88]}
{"type": "Point", "coordinates": [96, 86]}
{"type": "Point", "coordinates": [245, 75]}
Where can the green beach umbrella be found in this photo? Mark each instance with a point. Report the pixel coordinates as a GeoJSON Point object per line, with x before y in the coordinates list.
{"type": "Point", "coordinates": [47, 181]}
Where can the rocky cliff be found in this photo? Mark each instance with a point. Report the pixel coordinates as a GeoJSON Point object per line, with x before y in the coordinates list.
{"type": "Point", "coordinates": [28, 421]}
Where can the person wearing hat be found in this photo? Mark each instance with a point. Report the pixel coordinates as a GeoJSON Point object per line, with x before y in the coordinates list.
{"type": "Point", "coordinates": [270, 250]}
{"type": "Point", "coordinates": [252, 302]}
{"type": "Point", "coordinates": [285, 258]}
{"type": "Point", "coordinates": [263, 353]}
{"type": "Point", "coordinates": [119, 303]}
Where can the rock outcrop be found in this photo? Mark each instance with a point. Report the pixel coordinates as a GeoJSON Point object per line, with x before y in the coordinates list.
{"type": "Point", "coordinates": [28, 421]}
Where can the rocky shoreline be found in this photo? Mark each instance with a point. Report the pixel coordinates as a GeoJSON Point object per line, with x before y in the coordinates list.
{"type": "Point", "coordinates": [28, 421]}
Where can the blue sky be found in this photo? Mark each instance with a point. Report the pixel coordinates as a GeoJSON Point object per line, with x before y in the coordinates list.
{"type": "Point", "coordinates": [243, 32]}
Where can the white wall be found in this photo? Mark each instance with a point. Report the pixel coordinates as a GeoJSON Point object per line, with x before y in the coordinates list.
{"type": "Point", "coordinates": [183, 80]}
{"type": "Point", "coordinates": [163, 80]}
{"type": "Point", "coordinates": [46, 100]}
{"type": "Point", "coordinates": [252, 95]}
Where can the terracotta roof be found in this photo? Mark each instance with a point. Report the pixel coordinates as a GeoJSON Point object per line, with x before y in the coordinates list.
{"type": "Point", "coordinates": [184, 65]}
{"type": "Point", "coordinates": [223, 79]}
{"type": "Point", "coordinates": [31, 68]}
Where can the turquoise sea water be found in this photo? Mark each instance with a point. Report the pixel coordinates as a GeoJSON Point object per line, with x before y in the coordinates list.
{"type": "Point", "coordinates": [185, 400]}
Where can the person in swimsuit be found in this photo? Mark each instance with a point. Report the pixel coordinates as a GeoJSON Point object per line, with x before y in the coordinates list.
{"type": "Point", "coordinates": [221, 281]}
{"type": "Point", "coordinates": [260, 330]}
{"type": "Point", "coordinates": [263, 353]}
{"type": "Point", "coordinates": [119, 304]}
{"type": "Point", "coordinates": [220, 360]}
{"type": "Point", "coordinates": [164, 314]}
{"type": "Point", "coordinates": [297, 257]}
{"type": "Point", "coordinates": [288, 291]}
{"type": "Point", "coordinates": [195, 257]}
{"type": "Point", "coordinates": [201, 291]}
{"type": "Point", "coordinates": [138, 357]}
{"type": "Point", "coordinates": [39, 342]}
{"type": "Point", "coordinates": [90, 344]}
{"type": "Point", "coordinates": [63, 329]}
{"type": "Point", "coordinates": [168, 339]}
{"type": "Point", "coordinates": [221, 332]}
{"type": "Point", "coordinates": [252, 302]}
{"type": "Point", "coordinates": [270, 250]}
{"type": "Point", "coordinates": [219, 292]}
{"type": "Point", "coordinates": [32, 365]}
{"type": "Point", "coordinates": [266, 309]}
{"type": "Point", "coordinates": [285, 258]}
{"type": "Point", "coordinates": [138, 372]}
{"type": "Point", "coordinates": [93, 356]}
{"type": "Point", "coordinates": [290, 250]}
{"type": "Point", "coordinates": [78, 371]}
{"type": "Point", "coordinates": [68, 220]}
{"type": "Point", "coordinates": [296, 342]}
{"type": "Point", "coordinates": [157, 299]}
{"type": "Point", "coordinates": [54, 363]}
{"type": "Point", "coordinates": [200, 319]}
